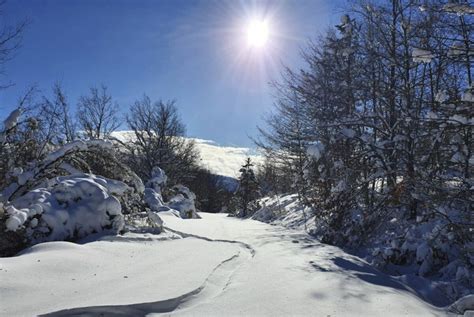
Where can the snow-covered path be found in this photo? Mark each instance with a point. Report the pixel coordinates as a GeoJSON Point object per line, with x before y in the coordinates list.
{"type": "Point", "coordinates": [224, 266]}
{"type": "Point", "coordinates": [291, 274]}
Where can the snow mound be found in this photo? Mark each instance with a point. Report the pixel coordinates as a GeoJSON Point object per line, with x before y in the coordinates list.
{"type": "Point", "coordinates": [113, 270]}
{"type": "Point", "coordinates": [70, 207]}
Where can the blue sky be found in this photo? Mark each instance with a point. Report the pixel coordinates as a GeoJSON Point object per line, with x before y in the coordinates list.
{"type": "Point", "coordinates": [192, 51]}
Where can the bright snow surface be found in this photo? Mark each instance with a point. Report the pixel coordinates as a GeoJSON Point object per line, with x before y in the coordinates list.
{"type": "Point", "coordinates": [223, 267]}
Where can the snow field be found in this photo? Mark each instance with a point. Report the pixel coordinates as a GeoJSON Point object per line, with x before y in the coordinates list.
{"type": "Point", "coordinates": [135, 268]}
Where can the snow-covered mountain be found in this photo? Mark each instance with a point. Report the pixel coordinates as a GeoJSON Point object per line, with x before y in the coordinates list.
{"type": "Point", "coordinates": [220, 160]}
{"type": "Point", "coordinates": [225, 160]}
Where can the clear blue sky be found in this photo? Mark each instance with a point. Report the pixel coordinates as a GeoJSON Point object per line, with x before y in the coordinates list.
{"type": "Point", "coordinates": [193, 51]}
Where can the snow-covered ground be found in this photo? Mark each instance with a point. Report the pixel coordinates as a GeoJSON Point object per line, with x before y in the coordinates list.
{"type": "Point", "coordinates": [220, 160]}
{"type": "Point", "coordinates": [222, 266]}
{"type": "Point", "coordinates": [289, 212]}
{"type": "Point", "coordinates": [130, 269]}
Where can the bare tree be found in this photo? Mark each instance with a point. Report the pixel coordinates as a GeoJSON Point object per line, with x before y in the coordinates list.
{"type": "Point", "coordinates": [10, 41]}
{"type": "Point", "coordinates": [56, 125]}
{"type": "Point", "coordinates": [159, 140]}
{"type": "Point", "coordinates": [98, 113]}
{"type": "Point", "coordinates": [67, 124]}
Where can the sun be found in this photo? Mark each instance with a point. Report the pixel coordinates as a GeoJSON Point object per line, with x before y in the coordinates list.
{"type": "Point", "coordinates": [257, 33]}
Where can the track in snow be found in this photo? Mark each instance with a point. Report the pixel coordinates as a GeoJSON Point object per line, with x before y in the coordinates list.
{"type": "Point", "coordinates": [213, 286]}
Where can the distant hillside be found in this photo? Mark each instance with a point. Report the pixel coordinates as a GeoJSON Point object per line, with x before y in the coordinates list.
{"type": "Point", "coordinates": [225, 160]}
{"type": "Point", "coordinates": [220, 160]}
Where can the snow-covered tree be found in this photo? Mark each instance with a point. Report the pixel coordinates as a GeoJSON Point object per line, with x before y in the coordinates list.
{"type": "Point", "coordinates": [274, 177]}
{"type": "Point", "coordinates": [19, 140]}
{"type": "Point", "coordinates": [386, 106]}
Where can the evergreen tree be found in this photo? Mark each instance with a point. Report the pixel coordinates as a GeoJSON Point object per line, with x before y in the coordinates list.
{"type": "Point", "coordinates": [248, 190]}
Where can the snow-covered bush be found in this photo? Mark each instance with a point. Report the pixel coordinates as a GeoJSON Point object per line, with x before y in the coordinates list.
{"type": "Point", "coordinates": [158, 179]}
{"type": "Point", "coordinates": [67, 208]}
{"type": "Point", "coordinates": [18, 145]}
{"type": "Point", "coordinates": [52, 199]}
{"type": "Point", "coordinates": [153, 199]}
{"type": "Point", "coordinates": [183, 201]}
{"type": "Point", "coordinates": [51, 190]}
{"type": "Point", "coordinates": [153, 191]}
{"type": "Point", "coordinates": [285, 210]}
{"type": "Point", "coordinates": [432, 248]}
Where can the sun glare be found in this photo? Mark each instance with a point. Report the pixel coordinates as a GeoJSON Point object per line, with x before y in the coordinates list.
{"type": "Point", "coordinates": [257, 33]}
